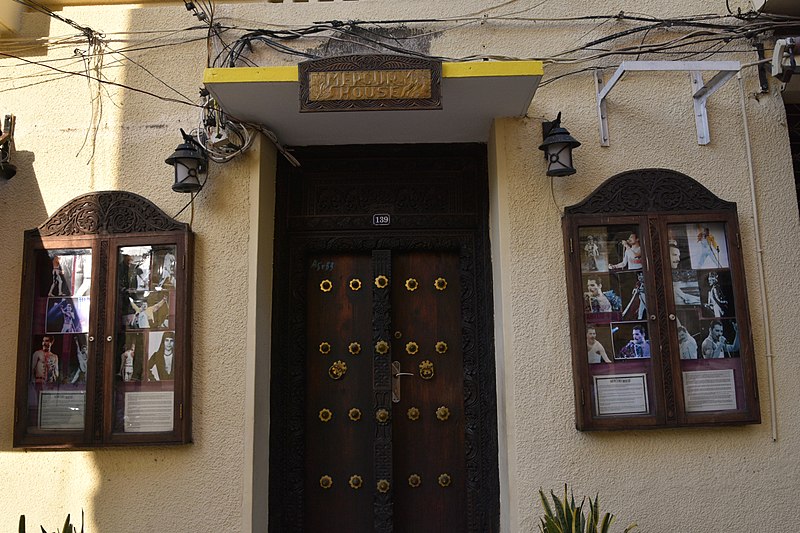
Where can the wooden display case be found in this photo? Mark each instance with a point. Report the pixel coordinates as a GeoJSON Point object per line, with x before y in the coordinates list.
{"type": "Point", "coordinates": [660, 328]}
{"type": "Point", "coordinates": [103, 352]}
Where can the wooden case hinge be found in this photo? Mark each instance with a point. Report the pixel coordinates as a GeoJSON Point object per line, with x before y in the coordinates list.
{"type": "Point", "coordinates": [570, 246]}
{"type": "Point", "coordinates": [180, 411]}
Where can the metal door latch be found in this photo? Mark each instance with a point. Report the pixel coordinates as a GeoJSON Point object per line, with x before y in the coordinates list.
{"type": "Point", "coordinates": [396, 375]}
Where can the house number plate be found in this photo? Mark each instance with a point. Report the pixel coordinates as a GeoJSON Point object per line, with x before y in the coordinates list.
{"type": "Point", "coordinates": [381, 219]}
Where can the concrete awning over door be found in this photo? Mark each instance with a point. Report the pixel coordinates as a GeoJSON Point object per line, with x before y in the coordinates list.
{"type": "Point", "coordinates": [473, 94]}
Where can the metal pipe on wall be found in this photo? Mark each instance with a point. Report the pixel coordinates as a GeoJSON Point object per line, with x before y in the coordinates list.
{"type": "Point", "coordinates": [760, 262]}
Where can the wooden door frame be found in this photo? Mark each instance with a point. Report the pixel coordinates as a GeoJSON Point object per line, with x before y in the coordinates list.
{"type": "Point", "coordinates": [460, 226]}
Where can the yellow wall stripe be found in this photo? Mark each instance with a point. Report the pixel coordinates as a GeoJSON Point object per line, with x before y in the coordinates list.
{"type": "Point", "coordinates": [489, 69]}
{"type": "Point", "coordinates": [472, 69]}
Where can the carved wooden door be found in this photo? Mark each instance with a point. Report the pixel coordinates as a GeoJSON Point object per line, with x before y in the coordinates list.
{"type": "Point", "coordinates": [428, 463]}
{"type": "Point", "coordinates": [383, 405]}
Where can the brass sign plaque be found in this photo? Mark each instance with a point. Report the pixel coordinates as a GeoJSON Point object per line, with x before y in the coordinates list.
{"type": "Point", "coordinates": [370, 83]}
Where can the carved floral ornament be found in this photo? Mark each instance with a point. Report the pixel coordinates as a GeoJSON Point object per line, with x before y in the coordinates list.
{"type": "Point", "coordinates": [649, 190]}
{"type": "Point", "coordinates": [382, 416]}
{"type": "Point", "coordinates": [426, 369]}
{"type": "Point", "coordinates": [337, 370]}
{"type": "Point", "coordinates": [108, 212]}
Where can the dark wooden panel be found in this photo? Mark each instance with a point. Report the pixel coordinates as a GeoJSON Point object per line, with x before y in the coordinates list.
{"type": "Point", "coordinates": [339, 448]}
{"type": "Point", "coordinates": [428, 447]}
{"type": "Point", "coordinates": [793, 125]}
{"type": "Point", "coordinates": [340, 188]}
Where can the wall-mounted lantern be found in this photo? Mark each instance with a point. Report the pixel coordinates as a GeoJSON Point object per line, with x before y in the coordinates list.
{"type": "Point", "coordinates": [557, 147]}
{"type": "Point", "coordinates": [191, 165]}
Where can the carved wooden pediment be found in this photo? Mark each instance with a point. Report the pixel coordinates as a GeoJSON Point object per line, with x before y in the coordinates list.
{"type": "Point", "coordinates": [648, 190]}
{"type": "Point", "coordinates": [106, 212]}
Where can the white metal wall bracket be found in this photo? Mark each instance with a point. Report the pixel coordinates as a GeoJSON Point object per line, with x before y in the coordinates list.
{"type": "Point", "coordinates": [701, 90]}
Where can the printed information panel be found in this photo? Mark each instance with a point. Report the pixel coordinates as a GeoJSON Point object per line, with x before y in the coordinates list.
{"type": "Point", "coordinates": [621, 394]}
{"type": "Point", "coordinates": [61, 410]}
{"type": "Point", "coordinates": [149, 411]}
{"type": "Point", "coordinates": [709, 390]}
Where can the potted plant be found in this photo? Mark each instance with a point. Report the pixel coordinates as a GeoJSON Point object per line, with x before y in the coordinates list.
{"type": "Point", "coordinates": [68, 527]}
{"type": "Point", "coordinates": [567, 517]}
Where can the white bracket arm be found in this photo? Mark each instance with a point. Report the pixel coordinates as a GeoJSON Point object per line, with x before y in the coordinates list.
{"type": "Point", "coordinates": [701, 90]}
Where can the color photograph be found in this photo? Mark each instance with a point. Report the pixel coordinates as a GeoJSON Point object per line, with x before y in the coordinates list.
{"type": "Point", "coordinates": [602, 302]}
{"type": "Point", "coordinates": [67, 315]}
{"type": "Point", "coordinates": [631, 340]}
{"type": "Point", "coordinates": [707, 245]}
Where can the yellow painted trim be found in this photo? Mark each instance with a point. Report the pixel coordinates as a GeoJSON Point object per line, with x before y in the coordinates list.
{"type": "Point", "coordinates": [474, 69]}
{"type": "Point", "coordinates": [251, 74]}
{"type": "Point", "coordinates": [489, 69]}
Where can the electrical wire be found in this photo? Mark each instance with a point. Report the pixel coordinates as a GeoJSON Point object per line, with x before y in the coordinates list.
{"type": "Point", "coordinates": [223, 138]}
{"type": "Point", "coordinates": [103, 81]}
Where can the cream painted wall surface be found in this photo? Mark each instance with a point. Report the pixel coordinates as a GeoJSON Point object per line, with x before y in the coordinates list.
{"type": "Point", "coordinates": [67, 145]}
{"type": "Point", "coordinates": [723, 479]}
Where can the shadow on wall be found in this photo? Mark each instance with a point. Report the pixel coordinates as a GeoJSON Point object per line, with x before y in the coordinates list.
{"type": "Point", "coordinates": [21, 208]}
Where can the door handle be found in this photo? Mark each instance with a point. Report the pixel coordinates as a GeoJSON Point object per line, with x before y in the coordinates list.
{"type": "Point", "coordinates": [396, 375]}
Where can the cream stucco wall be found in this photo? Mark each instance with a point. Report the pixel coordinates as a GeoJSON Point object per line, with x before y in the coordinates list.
{"type": "Point", "coordinates": [723, 479]}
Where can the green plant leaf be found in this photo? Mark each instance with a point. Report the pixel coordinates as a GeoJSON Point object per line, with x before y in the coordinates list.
{"type": "Point", "coordinates": [547, 510]}
{"type": "Point", "coordinates": [565, 516]}
{"type": "Point", "coordinates": [608, 519]}
{"type": "Point", "coordinates": [561, 508]}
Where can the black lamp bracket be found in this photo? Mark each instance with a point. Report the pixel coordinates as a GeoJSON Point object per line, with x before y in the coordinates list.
{"type": "Point", "coordinates": [7, 137]}
{"type": "Point", "coordinates": [548, 126]}
{"type": "Point", "coordinates": [190, 140]}
{"type": "Point", "coordinates": [8, 129]}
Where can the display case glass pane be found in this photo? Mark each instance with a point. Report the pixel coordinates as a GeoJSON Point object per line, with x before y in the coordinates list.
{"type": "Point", "coordinates": [614, 277]}
{"type": "Point", "coordinates": [707, 328]}
{"type": "Point", "coordinates": [59, 341]}
{"type": "Point", "coordinates": [146, 355]}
